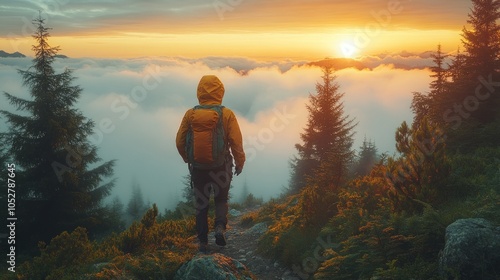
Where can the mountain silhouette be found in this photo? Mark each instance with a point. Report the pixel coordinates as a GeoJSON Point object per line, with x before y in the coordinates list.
{"type": "Point", "coordinates": [18, 54]}
{"type": "Point", "coordinates": [6, 54]}
{"type": "Point", "coordinates": [339, 63]}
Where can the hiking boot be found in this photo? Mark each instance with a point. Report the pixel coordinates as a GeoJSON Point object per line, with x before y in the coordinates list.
{"type": "Point", "coordinates": [220, 238]}
{"type": "Point", "coordinates": [203, 248]}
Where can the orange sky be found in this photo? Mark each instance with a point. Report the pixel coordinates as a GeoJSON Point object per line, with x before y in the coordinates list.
{"type": "Point", "coordinates": [258, 29]}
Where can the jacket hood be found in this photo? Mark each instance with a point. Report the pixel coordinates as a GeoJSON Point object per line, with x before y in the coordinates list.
{"type": "Point", "coordinates": [210, 90]}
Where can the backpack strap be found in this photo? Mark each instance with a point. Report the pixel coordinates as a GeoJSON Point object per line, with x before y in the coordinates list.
{"type": "Point", "coordinates": [217, 108]}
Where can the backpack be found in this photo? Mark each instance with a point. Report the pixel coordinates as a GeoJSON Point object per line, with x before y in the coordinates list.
{"type": "Point", "coordinates": [205, 145]}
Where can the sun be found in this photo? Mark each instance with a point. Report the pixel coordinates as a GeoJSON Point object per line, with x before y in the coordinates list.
{"type": "Point", "coordinates": [348, 50]}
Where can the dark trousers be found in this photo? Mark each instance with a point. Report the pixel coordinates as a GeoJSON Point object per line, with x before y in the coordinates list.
{"type": "Point", "coordinates": [204, 182]}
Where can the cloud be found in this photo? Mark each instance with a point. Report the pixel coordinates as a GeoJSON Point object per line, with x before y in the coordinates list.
{"type": "Point", "coordinates": [137, 105]}
{"type": "Point", "coordinates": [380, 100]}
{"type": "Point", "coordinates": [193, 16]}
{"type": "Point", "coordinates": [406, 60]}
{"type": "Point", "coordinates": [257, 28]}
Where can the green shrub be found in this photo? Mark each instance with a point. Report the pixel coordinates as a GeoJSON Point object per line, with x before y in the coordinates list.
{"type": "Point", "coordinates": [418, 270]}
{"type": "Point", "coordinates": [67, 256]}
{"type": "Point", "coordinates": [251, 201]}
{"type": "Point", "coordinates": [161, 264]}
{"type": "Point", "coordinates": [475, 172]}
{"type": "Point", "coordinates": [152, 251]}
{"type": "Point", "coordinates": [249, 219]}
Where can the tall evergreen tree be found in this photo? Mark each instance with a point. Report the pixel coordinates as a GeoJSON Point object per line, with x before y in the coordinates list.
{"type": "Point", "coordinates": [482, 47]}
{"type": "Point", "coordinates": [188, 191]}
{"type": "Point", "coordinates": [116, 215]}
{"type": "Point", "coordinates": [57, 165]}
{"type": "Point", "coordinates": [433, 104]}
{"type": "Point", "coordinates": [482, 40]}
{"type": "Point", "coordinates": [420, 173]}
{"type": "Point", "coordinates": [244, 192]}
{"type": "Point", "coordinates": [456, 69]}
{"type": "Point", "coordinates": [136, 206]}
{"type": "Point", "coordinates": [327, 138]}
{"type": "Point", "coordinates": [457, 81]}
{"type": "Point", "coordinates": [439, 88]}
{"type": "Point", "coordinates": [366, 158]}
{"type": "Point", "coordinates": [473, 116]}
{"type": "Point", "coordinates": [439, 73]}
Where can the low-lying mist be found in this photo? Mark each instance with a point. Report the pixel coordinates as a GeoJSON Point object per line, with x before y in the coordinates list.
{"type": "Point", "coordinates": [137, 106]}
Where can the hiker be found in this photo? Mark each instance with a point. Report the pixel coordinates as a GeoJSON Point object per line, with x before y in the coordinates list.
{"type": "Point", "coordinates": [208, 138]}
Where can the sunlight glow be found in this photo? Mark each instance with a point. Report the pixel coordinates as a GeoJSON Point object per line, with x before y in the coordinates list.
{"type": "Point", "coordinates": [348, 50]}
{"type": "Point", "coordinates": [298, 46]}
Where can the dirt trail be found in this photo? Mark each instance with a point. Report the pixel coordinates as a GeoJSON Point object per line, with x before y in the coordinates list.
{"type": "Point", "coordinates": [242, 246]}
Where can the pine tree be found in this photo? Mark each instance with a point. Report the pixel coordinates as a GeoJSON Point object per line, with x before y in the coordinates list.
{"type": "Point", "coordinates": [433, 104]}
{"type": "Point", "coordinates": [244, 192]}
{"type": "Point", "coordinates": [439, 88]}
{"type": "Point", "coordinates": [367, 158]}
{"type": "Point", "coordinates": [326, 152]}
{"type": "Point", "coordinates": [456, 69]}
{"type": "Point", "coordinates": [475, 95]}
{"type": "Point", "coordinates": [57, 165]}
{"type": "Point", "coordinates": [115, 215]}
{"type": "Point", "coordinates": [420, 173]}
{"type": "Point", "coordinates": [458, 80]}
{"type": "Point", "coordinates": [482, 41]}
{"type": "Point", "coordinates": [439, 73]}
{"type": "Point", "coordinates": [188, 191]}
{"type": "Point", "coordinates": [136, 206]}
{"type": "Point", "coordinates": [301, 169]}
{"type": "Point", "coordinates": [482, 59]}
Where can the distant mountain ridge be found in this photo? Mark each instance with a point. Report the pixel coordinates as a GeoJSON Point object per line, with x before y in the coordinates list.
{"type": "Point", "coordinates": [339, 63]}
{"type": "Point", "coordinates": [18, 54]}
{"type": "Point", "coordinates": [6, 54]}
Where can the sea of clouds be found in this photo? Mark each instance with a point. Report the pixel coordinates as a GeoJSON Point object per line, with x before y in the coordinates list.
{"type": "Point", "coordinates": [137, 106]}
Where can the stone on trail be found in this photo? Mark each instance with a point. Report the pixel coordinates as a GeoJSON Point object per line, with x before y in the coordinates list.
{"type": "Point", "coordinates": [213, 267]}
{"type": "Point", "coordinates": [259, 229]}
{"type": "Point", "coordinates": [234, 213]}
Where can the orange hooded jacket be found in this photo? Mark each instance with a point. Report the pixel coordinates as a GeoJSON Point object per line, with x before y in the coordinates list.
{"type": "Point", "coordinates": [211, 92]}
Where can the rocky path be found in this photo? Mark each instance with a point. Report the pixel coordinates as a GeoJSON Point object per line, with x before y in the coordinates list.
{"type": "Point", "coordinates": [242, 246]}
